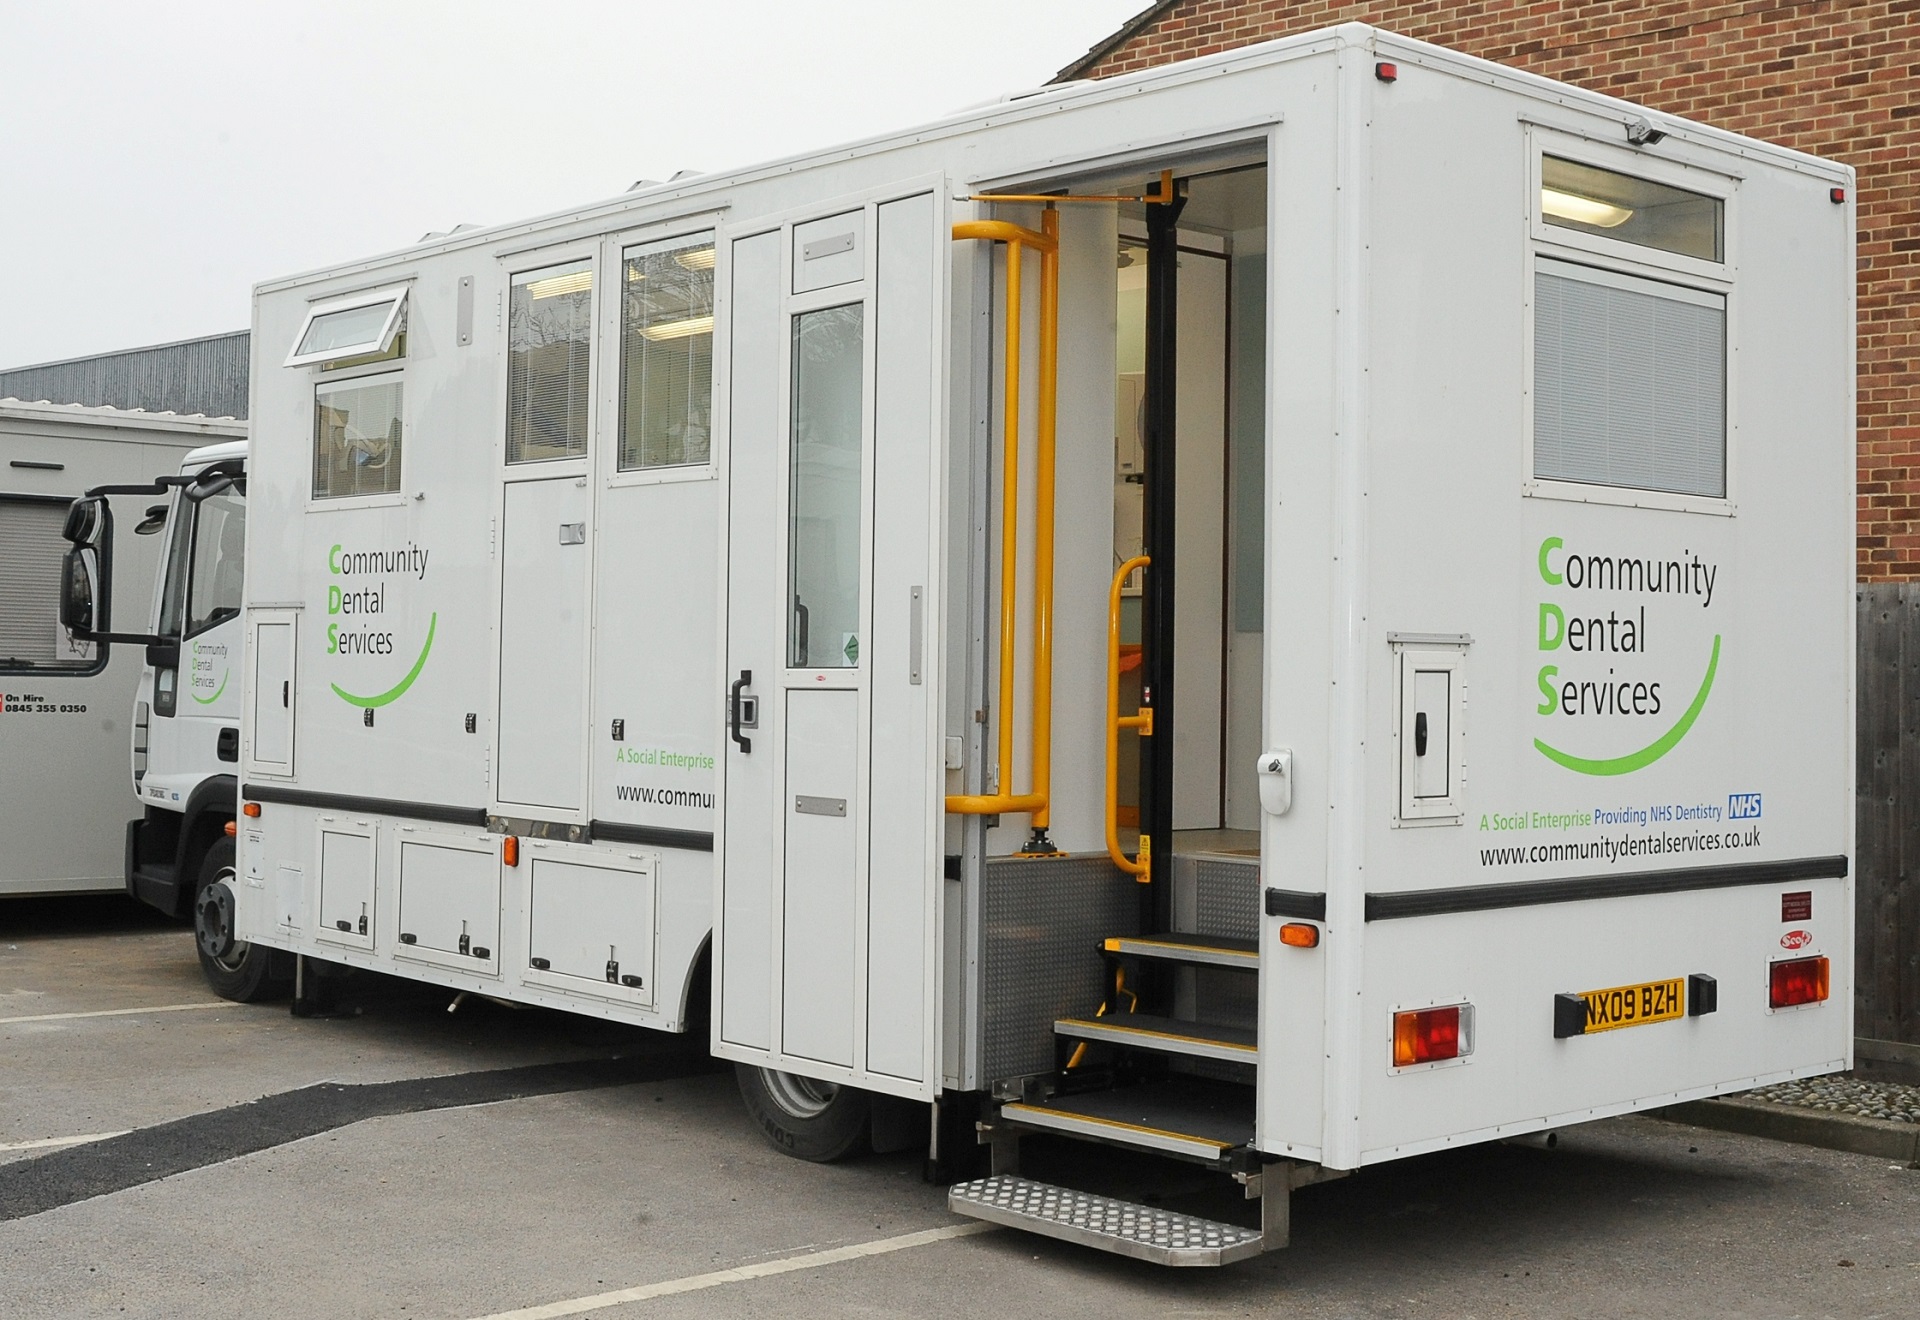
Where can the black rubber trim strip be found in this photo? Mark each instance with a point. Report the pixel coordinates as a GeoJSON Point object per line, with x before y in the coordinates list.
{"type": "Point", "coordinates": [1531, 893]}
{"type": "Point", "coordinates": [301, 797]}
{"type": "Point", "coordinates": [1293, 903]}
{"type": "Point", "coordinates": [654, 836]}
{"type": "Point", "coordinates": [100, 1168]}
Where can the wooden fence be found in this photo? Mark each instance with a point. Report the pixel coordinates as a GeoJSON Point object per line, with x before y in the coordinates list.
{"type": "Point", "coordinates": [1887, 822]}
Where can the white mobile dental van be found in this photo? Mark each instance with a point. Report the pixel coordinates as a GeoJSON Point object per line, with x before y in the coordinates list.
{"type": "Point", "coordinates": [1287, 610]}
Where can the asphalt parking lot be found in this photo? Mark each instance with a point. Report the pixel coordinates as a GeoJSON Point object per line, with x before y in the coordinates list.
{"type": "Point", "coordinates": [398, 1160]}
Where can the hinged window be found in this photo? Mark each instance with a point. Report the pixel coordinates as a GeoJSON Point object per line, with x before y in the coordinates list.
{"type": "Point", "coordinates": [360, 326]}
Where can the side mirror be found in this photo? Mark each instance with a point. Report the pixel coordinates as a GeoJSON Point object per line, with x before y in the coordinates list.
{"type": "Point", "coordinates": [83, 608]}
{"type": "Point", "coordinates": [88, 521]}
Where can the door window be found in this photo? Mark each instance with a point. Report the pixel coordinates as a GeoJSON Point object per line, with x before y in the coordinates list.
{"type": "Point", "coordinates": [824, 522]}
{"type": "Point", "coordinates": [666, 354]}
{"type": "Point", "coordinates": [219, 546]}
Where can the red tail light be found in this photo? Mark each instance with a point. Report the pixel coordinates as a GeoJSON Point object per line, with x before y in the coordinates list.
{"type": "Point", "coordinates": [1430, 1035]}
{"type": "Point", "coordinates": [1797, 981]}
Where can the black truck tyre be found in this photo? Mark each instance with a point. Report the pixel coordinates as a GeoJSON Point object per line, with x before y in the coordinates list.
{"type": "Point", "coordinates": [808, 1119]}
{"type": "Point", "coordinates": [236, 970]}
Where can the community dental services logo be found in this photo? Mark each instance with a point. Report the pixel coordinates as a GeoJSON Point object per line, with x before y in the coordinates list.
{"type": "Point", "coordinates": [1620, 640]}
{"type": "Point", "coordinates": [369, 575]}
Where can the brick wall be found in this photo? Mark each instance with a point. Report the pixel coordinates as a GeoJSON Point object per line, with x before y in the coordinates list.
{"type": "Point", "coordinates": [1835, 79]}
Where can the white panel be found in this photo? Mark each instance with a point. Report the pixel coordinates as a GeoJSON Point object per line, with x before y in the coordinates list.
{"type": "Point", "coordinates": [822, 875]}
{"type": "Point", "coordinates": [903, 876]}
{"type": "Point", "coordinates": [1200, 494]}
{"type": "Point", "coordinates": [543, 638]}
{"type": "Point", "coordinates": [450, 902]}
{"type": "Point", "coordinates": [829, 251]}
{"type": "Point", "coordinates": [273, 694]}
{"type": "Point", "coordinates": [755, 636]}
{"type": "Point", "coordinates": [1431, 701]}
{"type": "Point", "coordinates": [346, 885]}
{"type": "Point", "coordinates": [593, 926]}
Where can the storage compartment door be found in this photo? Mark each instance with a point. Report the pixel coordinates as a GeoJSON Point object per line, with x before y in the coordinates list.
{"type": "Point", "coordinates": [543, 644]}
{"type": "Point", "coordinates": [346, 882]}
{"type": "Point", "coordinates": [449, 900]}
{"type": "Point", "coordinates": [270, 703]}
{"type": "Point", "coordinates": [590, 924]}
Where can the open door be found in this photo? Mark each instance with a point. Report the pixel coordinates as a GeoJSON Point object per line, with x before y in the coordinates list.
{"type": "Point", "coordinates": [829, 857]}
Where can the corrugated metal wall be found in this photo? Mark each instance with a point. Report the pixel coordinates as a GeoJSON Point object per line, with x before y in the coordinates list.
{"type": "Point", "coordinates": [193, 376]}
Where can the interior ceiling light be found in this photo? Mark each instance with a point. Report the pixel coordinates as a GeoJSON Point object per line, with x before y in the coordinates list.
{"type": "Point", "coordinates": [695, 258]}
{"type": "Point", "coordinates": [692, 325]}
{"type": "Point", "coordinates": [1583, 210]}
{"type": "Point", "coordinates": [577, 281]}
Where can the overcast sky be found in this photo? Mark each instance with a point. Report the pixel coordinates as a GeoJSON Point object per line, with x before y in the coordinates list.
{"type": "Point", "coordinates": [158, 159]}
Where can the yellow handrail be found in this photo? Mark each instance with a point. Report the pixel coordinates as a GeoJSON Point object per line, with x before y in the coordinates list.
{"type": "Point", "coordinates": [1142, 869]}
{"type": "Point", "coordinates": [1045, 241]}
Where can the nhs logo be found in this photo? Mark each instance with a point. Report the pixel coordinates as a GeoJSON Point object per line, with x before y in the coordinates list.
{"type": "Point", "coordinates": [1743, 806]}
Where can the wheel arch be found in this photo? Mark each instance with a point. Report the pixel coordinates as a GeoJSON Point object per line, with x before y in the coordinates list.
{"type": "Point", "coordinates": [210, 807]}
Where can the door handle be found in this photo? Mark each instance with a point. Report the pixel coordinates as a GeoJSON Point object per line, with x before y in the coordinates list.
{"type": "Point", "coordinates": [800, 632]}
{"type": "Point", "coordinates": [1420, 733]}
{"type": "Point", "coordinates": [733, 710]}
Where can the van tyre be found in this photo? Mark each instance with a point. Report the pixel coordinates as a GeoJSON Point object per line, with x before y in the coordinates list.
{"type": "Point", "coordinates": [238, 971]}
{"type": "Point", "coordinates": [808, 1119]}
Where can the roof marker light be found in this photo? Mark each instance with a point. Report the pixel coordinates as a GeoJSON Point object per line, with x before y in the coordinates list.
{"type": "Point", "coordinates": [1837, 195]}
{"type": "Point", "coordinates": [1386, 72]}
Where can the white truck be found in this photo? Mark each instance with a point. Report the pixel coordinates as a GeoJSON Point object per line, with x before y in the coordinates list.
{"type": "Point", "coordinates": [65, 704]}
{"type": "Point", "coordinates": [1287, 611]}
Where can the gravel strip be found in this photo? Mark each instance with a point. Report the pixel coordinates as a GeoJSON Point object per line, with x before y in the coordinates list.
{"type": "Point", "coordinates": [1846, 1095]}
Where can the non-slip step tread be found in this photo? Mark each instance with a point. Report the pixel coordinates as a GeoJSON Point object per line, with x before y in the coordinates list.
{"type": "Point", "coordinates": [1199, 1040]}
{"type": "Point", "coordinates": [1177, 946]}
{"type": "Point", "coordinates": [1143, 1232]}
{"type": "Point", "coordinates": [1190, 1116]}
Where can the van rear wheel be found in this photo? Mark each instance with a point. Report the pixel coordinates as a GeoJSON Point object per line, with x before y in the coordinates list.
{"type": "Point", "coordinates": [236, 970]}
{"type": "Point", "coordinates": [804, 1117]}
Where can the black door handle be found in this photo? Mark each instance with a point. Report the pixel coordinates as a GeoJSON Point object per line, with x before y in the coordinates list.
{"type": "Point", "coordinates": [1420, 733]}
{"type": "Point", "coordinates": [733, 710]}
{"type": "Point", "coordinates": [800, 633]}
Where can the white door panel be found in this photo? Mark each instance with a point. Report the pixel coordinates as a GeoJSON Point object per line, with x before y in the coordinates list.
{"type": "Point", "coordinates": [543, 641]}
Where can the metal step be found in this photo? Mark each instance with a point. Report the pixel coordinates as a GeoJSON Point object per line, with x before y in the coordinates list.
{"type": "Point", "coordinates": [1143, 1031]}
{"type": "Point", "coordinates": [1190, 1117]}
{"type": "Point", "coordinates": [1206, 950]}
{"type": "Point", "coordinates": [1140, 1231]}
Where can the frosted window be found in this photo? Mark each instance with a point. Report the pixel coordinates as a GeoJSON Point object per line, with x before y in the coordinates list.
{"type": "Point", "coordinates": [549, 349]}
{"type": "Point", "coordinates": [1629, 382]}
{"type": "Point", "coordinates": [824, 514]}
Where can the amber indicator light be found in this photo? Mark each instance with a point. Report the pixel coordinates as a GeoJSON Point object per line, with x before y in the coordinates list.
{"type": "Point", "coordinates": [510, 850]}
{"type": "Point", "coordinates": [251, 809]}
{"type": "Point", "coordinates": [1300, 935]}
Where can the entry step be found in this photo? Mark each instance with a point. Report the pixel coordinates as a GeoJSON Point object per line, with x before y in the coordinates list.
{"type": "Point", "coordinates": [1144, 1031]}
{"type": "Point", "coordinates": [1192, 1117]}
{"type": "Point", "coordinates": [1143, 1232]}
{"type": "Point", "coordinates": [1204, 950]}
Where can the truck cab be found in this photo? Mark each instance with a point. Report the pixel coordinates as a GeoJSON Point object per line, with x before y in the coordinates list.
{"type": "Point", "coordinates": [186, 709]}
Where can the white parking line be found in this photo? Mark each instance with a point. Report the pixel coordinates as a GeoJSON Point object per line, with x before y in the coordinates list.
{"type": "Point", "coordinates": [47, 1143]}
{"type": "Point", "coordinates": [813, 1260]}
{"type": "Point", "coordinates": [118, 1012]}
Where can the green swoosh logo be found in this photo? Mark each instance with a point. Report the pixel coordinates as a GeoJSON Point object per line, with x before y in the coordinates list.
{"type": "Point", "coordinates": [1653, 751]}
{"type": "Point", "coordinates": [398, 689]}
{"type": "Point", "coordinates": [208, 701]}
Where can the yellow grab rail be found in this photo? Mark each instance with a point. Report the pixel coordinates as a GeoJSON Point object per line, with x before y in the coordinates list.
{"type": "Point", "coordinates": [1045, 241]}
{"type": "Point", "coordinates": [1142, 869]}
